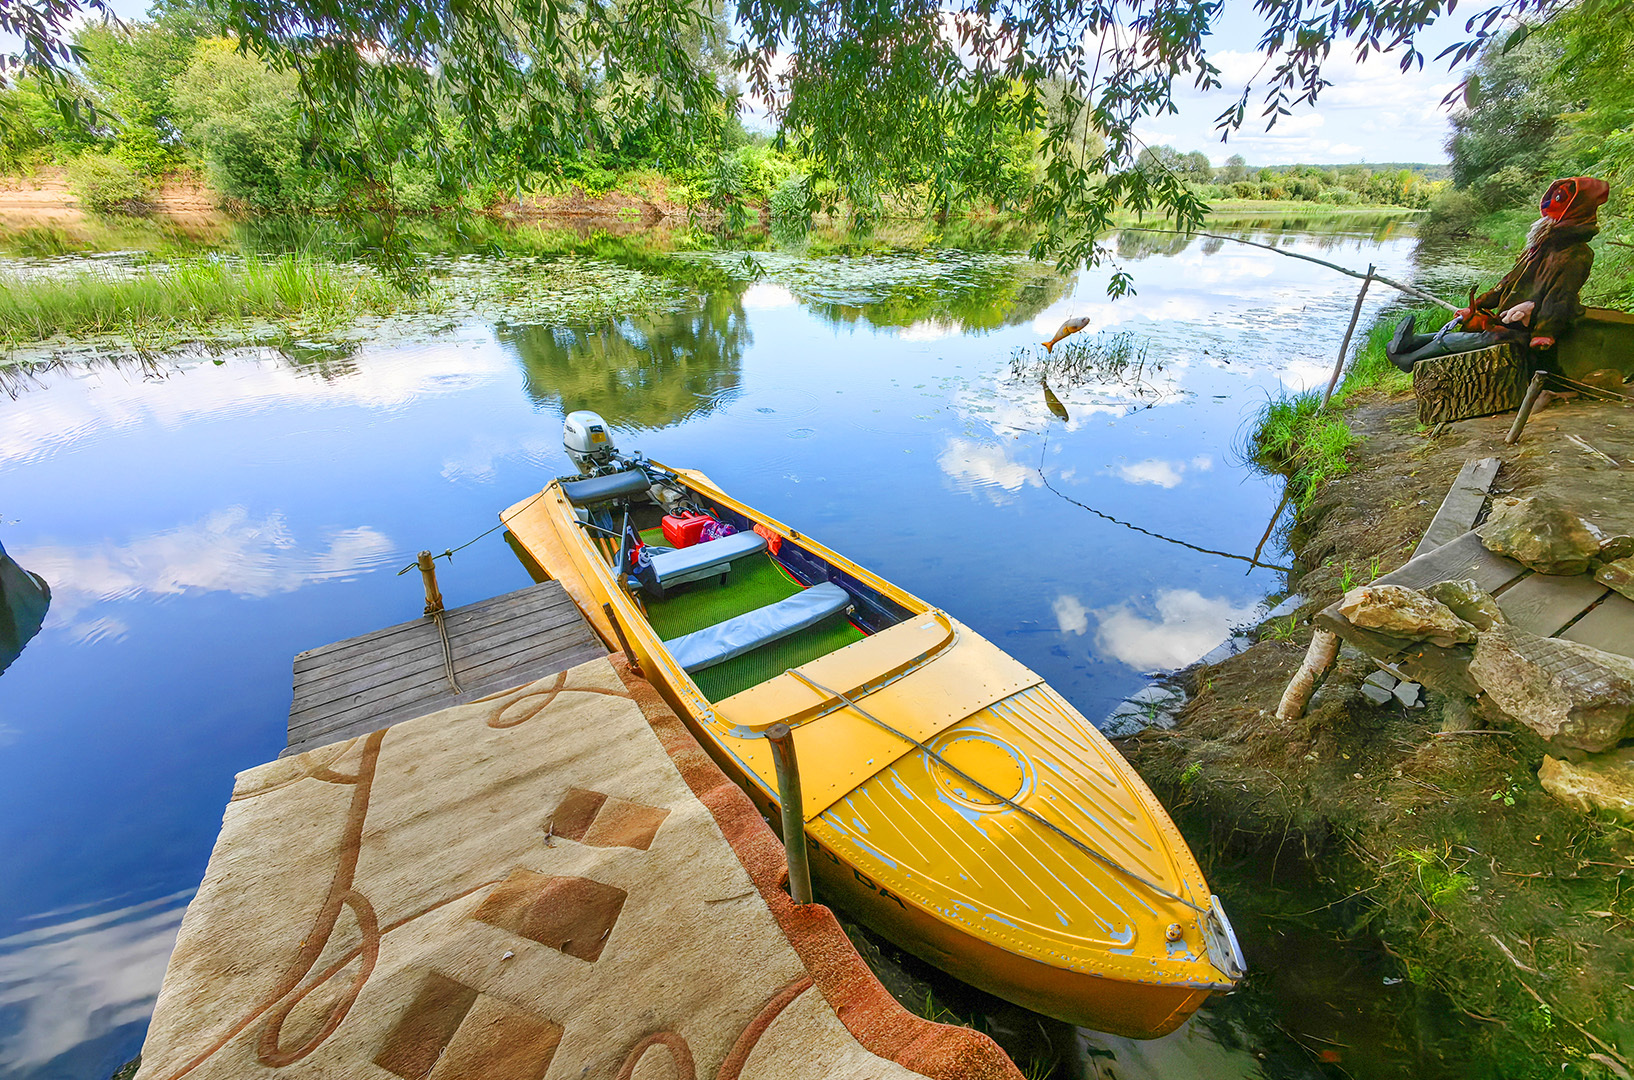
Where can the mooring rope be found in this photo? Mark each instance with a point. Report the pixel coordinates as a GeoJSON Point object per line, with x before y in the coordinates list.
{"type": "Point", "coordinates": [1103, 859]}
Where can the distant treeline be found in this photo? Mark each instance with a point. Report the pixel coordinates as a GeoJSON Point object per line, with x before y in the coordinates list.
{"type": "Point", "coordinates": [1412, 185]}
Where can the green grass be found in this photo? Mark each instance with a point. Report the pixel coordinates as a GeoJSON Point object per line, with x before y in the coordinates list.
{"type": "Point", "coordinates": [1311, 447]}
{"type": "Point", "coordinates": [1370, 368]}
{"type": "Point", "coordinates": [187, 297]}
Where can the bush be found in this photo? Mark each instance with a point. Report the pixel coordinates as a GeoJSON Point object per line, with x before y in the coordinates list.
{"type": "Point", "coordinates": [108, 185]}
{"type": "Point", "coordinates": [1245, 189]}
{"type": "Point", "coordinates": [1452, 215]}
{"type": "Point", "coordinates": [791, 206]}
{"type": "Point", "coordinates": [1338, 196]}
{"type": "Point", "coordinates": [1273, 190]}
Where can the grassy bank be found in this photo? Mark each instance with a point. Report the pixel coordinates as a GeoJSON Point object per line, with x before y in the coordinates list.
{"type": "Point", "coordinates": [1502, 914]}
{"type": "Point", "coordinates": [1311, 446]}
{"type": "Point", "coordinates": [184, 298]}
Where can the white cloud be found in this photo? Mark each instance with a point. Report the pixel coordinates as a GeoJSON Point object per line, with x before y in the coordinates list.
{"type": "Point", "coordinates": [1071, 615]}
{"type": "Point", "coordinates": [226, 551]}
{"type": "Point", "coordinates": [1187, 625]}
{"type": "Point", "coordinates": [81, 979]}
{"type": "Point", "coordinates": [764, 296]}
{"type": "Point", "coordinates": [987, 467]}
{"type": "Point", "coordinates": [1156, 471]}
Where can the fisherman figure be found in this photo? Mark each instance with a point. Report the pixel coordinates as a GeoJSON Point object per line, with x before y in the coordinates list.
{"type": "Point", "coordinates": [1537, 300]}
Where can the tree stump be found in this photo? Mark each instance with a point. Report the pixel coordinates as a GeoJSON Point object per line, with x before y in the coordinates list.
{"type": "Point", "coordinates": [1480, 383]}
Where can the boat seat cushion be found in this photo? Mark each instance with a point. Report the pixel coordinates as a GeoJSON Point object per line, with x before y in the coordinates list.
{"type": "Point", "coordinates": [762, 626]}
{"type": "Point", "coordinates": [708, 559]}
{"type": "Point", "coordinates": [601, 489]}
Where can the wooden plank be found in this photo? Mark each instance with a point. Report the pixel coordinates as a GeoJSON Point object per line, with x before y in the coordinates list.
{"type": "Point", "coordinates": [466, 640]}
{"type": "Point", "coordinates": [1609, 626]}
{"type": "Point", "coordinates": [312, 738]}
{"type": "Point", "coordinates": [1463, 557]}
{"type": "Point", "coordinates": [534, 597]}
{"type": "Point", "coordinates": [1461, 506]}
{"type": "Point", "coordinates": [1543, 603]}
{"type": "Point", "coordinates": [1442, 670]}
{"type": "Point", "coordinates": [395, 689]}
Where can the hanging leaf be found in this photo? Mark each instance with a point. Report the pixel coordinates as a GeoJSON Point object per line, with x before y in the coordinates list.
{"type": "Point", "coordinates": [1472, 91]}
{"type": "Point", "coordinates": [1522, 32]}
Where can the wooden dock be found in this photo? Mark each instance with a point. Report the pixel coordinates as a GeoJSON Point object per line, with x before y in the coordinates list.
{"type": "Point", "coordinates": [366, 683]}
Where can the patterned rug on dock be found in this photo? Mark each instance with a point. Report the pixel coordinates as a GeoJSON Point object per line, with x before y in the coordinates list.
{"type": "Point", "coordinates": [534, 885]}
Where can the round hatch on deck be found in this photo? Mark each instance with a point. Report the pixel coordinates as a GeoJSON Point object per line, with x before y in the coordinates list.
{"type": "Point", "coordinates": [991, 761]}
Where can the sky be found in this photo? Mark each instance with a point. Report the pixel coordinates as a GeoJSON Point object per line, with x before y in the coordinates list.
{"type": "Point", "coordinates": [1372, 112]}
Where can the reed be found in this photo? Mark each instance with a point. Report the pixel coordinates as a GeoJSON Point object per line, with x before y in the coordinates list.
{"type": "Point", "coordinates": [1294, 436]}
{"type": "Point", "coordinates": [180, 298]}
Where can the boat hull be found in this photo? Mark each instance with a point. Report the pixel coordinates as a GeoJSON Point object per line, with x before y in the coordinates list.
{"type": "Point", "coordinates": [878, 891]}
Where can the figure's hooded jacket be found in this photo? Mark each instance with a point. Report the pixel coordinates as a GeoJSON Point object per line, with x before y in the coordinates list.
{"type": "Point", "coordinates": [1557, 260]}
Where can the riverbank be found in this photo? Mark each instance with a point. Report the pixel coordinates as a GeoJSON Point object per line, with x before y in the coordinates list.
{"type": "Point", "coordinates": [1483, 890]}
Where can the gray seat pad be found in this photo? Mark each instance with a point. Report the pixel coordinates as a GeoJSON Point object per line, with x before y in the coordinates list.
{"type": "Point", "coordinates": [600, 489]}
{"type": "Point", "coordinates": [734, 637]}
{"type": "Point", "coordinates": [700, 560]}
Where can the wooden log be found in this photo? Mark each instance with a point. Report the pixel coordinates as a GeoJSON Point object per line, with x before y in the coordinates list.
{"type": "Point", "coordinates": [1480, 383]}
{"type": "Point", "coordinates": [1318, 658]}
{"type": "Point", "coordinates": [1529, 399]}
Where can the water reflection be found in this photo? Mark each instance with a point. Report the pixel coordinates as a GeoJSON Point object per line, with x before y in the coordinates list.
{"type": "Point", "coordinates": [229, 550]}
{"type": "Point", "coordinates": [70, 990]}
{"type": "Point", "coordinates": [24, 598]}
{"type": "Point", "coordinates": [1183, 626]}
{"type": "Point", "coordinates": [644, 371]}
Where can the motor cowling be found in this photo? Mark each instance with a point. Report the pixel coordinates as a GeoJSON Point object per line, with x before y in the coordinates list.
{"type": "Point", "coordinates": [588, 440]}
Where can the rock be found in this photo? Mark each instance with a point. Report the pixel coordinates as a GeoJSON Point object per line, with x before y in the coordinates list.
{"type": "Point", "coordinates": [1375, 693]}
{"type": "Point", "coordinates": [1574, 694]}
{"type": "Point", "coordinates": [1405, 613]}
{"type": "Point", "coordinates": [1407, 694]}
{"type": "Point", "coordinates": [1613, 548]}
{"type": "Point", "coordinates": [1608, 379]}
{"type": "Point", "coordinates": [1382, 679]}
{"type": "Point", "coordinates": [1619, 575]}
{"type": "Point", "coordinates": [1599, 782]}
{"type": "Point", "coordinates": [1541, 534]}
{"type": "Point", "coordinates": [1468, 601]}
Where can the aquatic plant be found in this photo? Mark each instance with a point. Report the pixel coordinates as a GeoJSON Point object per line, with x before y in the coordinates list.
{"type": "Point", "coordinates": [180, 298]}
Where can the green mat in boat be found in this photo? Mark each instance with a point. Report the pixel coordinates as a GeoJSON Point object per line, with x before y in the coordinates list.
{"type": "Point", "coordinates": [753, 583]}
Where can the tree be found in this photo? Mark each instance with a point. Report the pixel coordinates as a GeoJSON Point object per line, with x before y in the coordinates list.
{"type": "Point", "coordinates": [1234, 170]}
{"type": "Point", "coordinates": [861, 86]}
{"type": "Point", "coordinates": [1508, 121]}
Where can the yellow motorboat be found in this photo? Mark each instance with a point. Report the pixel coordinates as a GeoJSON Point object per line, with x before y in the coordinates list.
{"type": "Point", "coordinates": [952, 800]}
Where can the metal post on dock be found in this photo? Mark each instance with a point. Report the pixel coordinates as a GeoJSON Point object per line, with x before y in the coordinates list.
{"type": "Point", "coordinates": [794, 811]}
{"type": "Point", "coordinates": [428, 574]}
{"type": "Point", "coordinates": [1533, 389]}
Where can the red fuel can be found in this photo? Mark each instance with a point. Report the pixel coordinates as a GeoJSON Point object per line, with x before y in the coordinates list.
{"type": "Point", "coordinates": [682, 531]}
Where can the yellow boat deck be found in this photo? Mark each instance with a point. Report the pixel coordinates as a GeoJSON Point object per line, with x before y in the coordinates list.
{"type": "Point", "coordinates": [953, 800]}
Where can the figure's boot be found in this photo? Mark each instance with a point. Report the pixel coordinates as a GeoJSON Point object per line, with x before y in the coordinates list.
{"type": "Point", "coordinates": [1403, 343]}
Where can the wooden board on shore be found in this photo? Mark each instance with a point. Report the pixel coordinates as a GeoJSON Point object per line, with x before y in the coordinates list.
{"type": "Point", "coordinates": [366, 683]}
{"type": "Point", "coordinates": [1462, 505]}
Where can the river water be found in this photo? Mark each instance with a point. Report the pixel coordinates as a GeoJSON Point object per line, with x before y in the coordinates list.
{"type": "Point", "coordinates": [202, 518]}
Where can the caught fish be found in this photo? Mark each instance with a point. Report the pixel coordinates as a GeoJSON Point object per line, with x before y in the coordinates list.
{"type": "Point", "coordinates": [1068, 328]}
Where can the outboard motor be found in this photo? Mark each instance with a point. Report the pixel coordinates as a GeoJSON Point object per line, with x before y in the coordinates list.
{"type": "Point", "coordinates": [588, 442]}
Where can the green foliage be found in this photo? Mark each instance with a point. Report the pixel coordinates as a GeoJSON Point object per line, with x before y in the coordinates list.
{"type": "Point", "coordinates": [1293, 436]}
{"type": "Point", "coordinates": [242, 117]}
{"type": "Point", "coordinates": [108, 184]}
{"type": "Point", "coordinates": [187, 297]}
{"type": "Point", "coordinates": [791, 206]}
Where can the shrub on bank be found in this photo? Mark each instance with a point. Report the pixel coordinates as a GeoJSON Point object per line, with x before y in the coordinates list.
{"type": "Point", "coordinates": [108, 185]}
